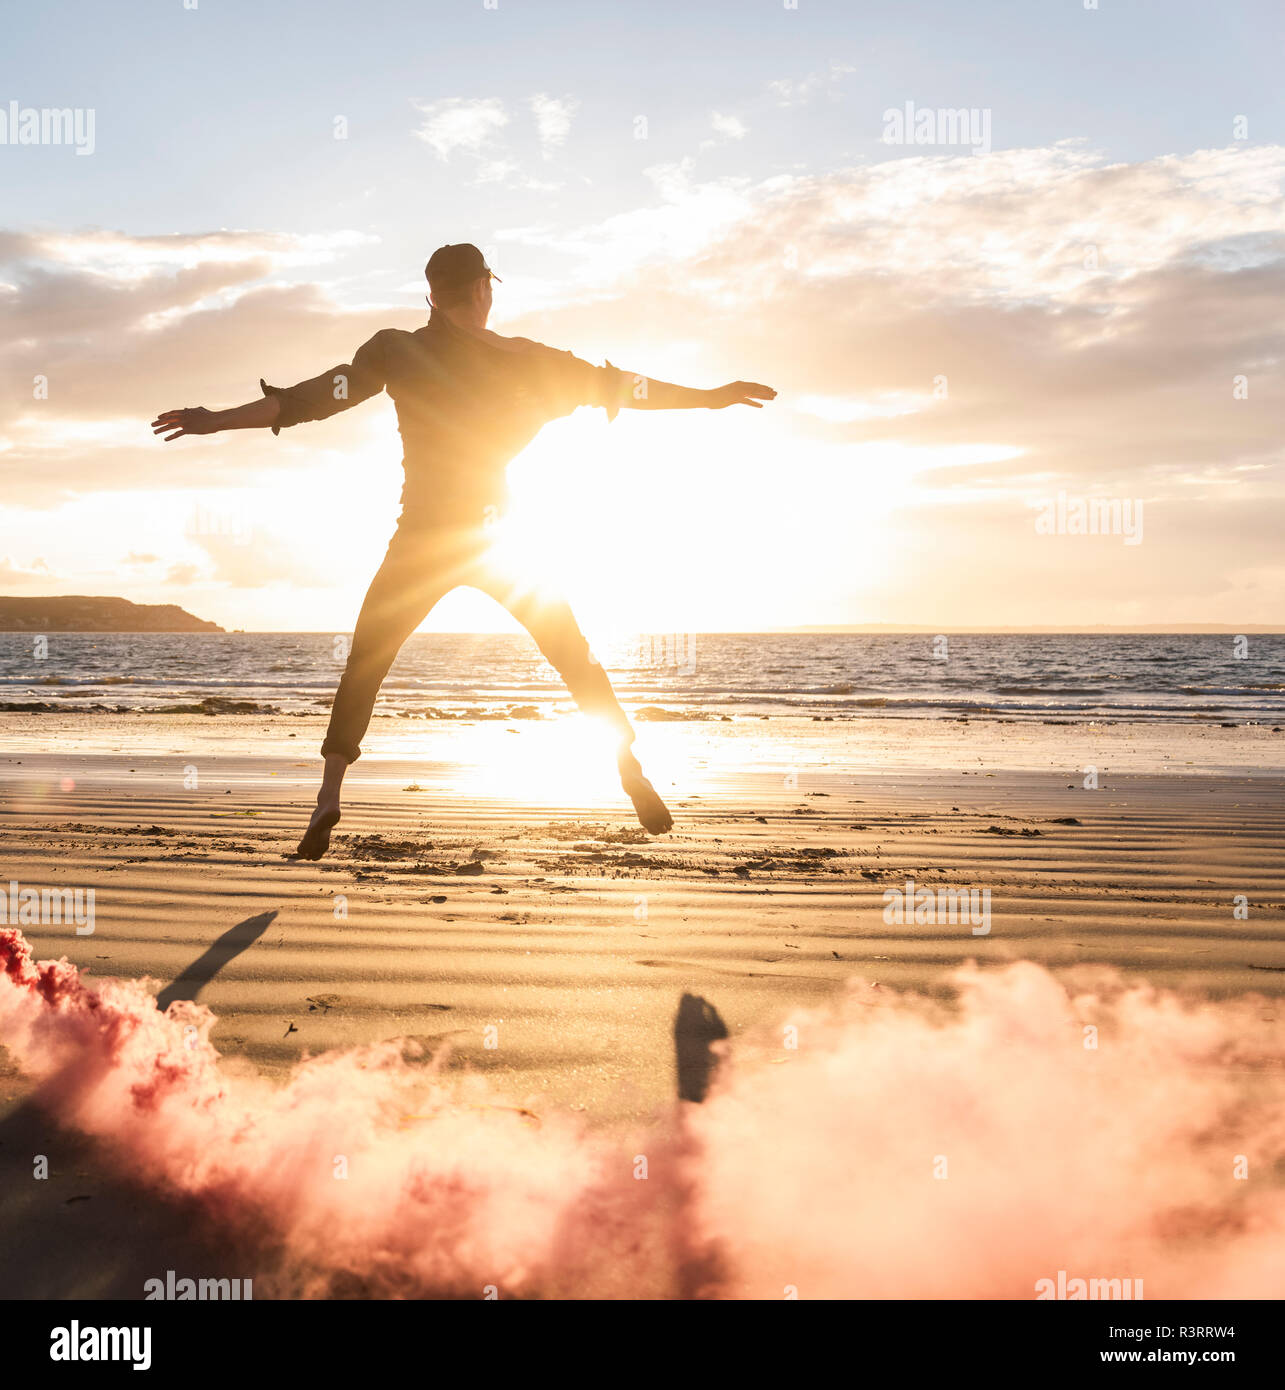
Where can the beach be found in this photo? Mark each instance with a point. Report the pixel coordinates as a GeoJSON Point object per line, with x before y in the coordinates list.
{"type": "Point", "coordinates": [537, 937]}
{"type": "Point", "coordinates": [585, 422]}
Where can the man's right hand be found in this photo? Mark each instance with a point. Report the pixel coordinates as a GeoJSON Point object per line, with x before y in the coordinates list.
{"type": "Point", "coordinates": [193, 420]}
{"type": "Point", "coordinates": [740, 393]}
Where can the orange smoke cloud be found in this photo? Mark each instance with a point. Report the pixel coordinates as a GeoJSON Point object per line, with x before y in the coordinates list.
{"type": "Point", "coordinates": [890, 1147]}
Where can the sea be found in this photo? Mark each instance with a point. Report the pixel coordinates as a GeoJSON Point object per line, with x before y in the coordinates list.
{"type": "Point", "coordinates": [680, 675]}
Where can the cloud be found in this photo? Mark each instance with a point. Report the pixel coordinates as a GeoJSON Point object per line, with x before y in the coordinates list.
{"type": "Point", "coordinates": [456, 126]}
{"type": "Point", "coordinates": [121, 255]}
{"type": "Point", "coordinates": [965, 334]}
{"type": "Point", "coordinates": [256, 557]}
{"type": "Point", "coordinates": [676, 231]}
{"type": "Point", "coordinates": [509, 173]}
{"type": "Point", "coordinates": [17, 576]}
{"type": "Point", "coordinates": [1089, 320]}
{"type": "Point", "coordinates": [457, 123]}
{"type": "Point", "coordinates": [103, 333]}
{"type": "Point", "coordinates": [553, 121]}
{"type": "Point", "coordinates": [797, 92]}
{"type": "Point", "coordinates": [845, 409]}
{"type": "Point", "coordinates": [730, 126]}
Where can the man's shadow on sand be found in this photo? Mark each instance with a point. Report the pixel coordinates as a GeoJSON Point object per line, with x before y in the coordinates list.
{"type": "Point", "coordinates": [697, 1025]}
{"type": "Point", "coordinates": [207, 965]}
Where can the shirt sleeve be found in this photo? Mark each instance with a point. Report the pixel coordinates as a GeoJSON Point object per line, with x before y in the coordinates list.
{"type": "Point", "coordinates": [338, 389]}
{"type": "Point", "coordinates": [581, 383]}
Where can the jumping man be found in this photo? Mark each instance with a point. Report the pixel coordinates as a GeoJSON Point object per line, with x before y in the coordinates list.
{"type": "Point", "coordinates": [468, 400]}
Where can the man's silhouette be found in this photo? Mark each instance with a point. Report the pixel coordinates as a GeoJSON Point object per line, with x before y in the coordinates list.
{"type": "Point", "coordinates": [467, 401]}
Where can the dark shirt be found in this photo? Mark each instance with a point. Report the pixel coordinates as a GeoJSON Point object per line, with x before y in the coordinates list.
{"type": "Point", "coordinates": [465, 407]}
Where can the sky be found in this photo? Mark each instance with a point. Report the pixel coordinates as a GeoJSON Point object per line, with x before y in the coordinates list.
{"type": "Point", "coordinates": [1028, 361]}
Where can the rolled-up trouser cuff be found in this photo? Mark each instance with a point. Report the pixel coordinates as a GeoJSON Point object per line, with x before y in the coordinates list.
{"type": "Point", "coordinates": [344, 750]}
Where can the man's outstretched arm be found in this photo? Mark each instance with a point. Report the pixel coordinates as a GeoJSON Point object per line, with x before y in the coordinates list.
{"type": "Point", "coordinates": [338, 389]}
{"type": "Point", "coordinates": [650, 394]}
{"type": "Point", "coordinates": [254, 415]}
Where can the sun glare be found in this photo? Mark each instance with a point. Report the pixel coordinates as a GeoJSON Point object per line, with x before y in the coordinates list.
{"type": "Point", "coordinates": [568, 761]}
{"type": "Point", "coordinates": [564, 762]}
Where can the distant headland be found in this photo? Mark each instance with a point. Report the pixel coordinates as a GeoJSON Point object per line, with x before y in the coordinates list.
{"type": "Point", "coordinates": [76, 613]}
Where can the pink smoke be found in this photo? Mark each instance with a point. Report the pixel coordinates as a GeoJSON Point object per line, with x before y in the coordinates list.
{"type": "Point", "coordinates": [890, 1147]}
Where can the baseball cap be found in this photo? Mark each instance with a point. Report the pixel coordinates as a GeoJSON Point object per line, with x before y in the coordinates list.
{"type": "Point", "coordinates": [454, 265]}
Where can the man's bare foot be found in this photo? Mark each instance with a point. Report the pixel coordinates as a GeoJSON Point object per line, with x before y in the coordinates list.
{"type": "Point", "coordinates": [316, 839]}
{"type": "Point", "coordinates": [653, 814]}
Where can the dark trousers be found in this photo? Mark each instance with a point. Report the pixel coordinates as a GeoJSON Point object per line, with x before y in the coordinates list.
{"type": "Point", "coordinates": [422, 567]}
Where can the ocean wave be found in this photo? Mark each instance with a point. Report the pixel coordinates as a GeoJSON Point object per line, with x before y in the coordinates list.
{"type": "Point", "coordinates": [748, 675]}
{"type": "Point", "coordinates": [1047, 690]}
